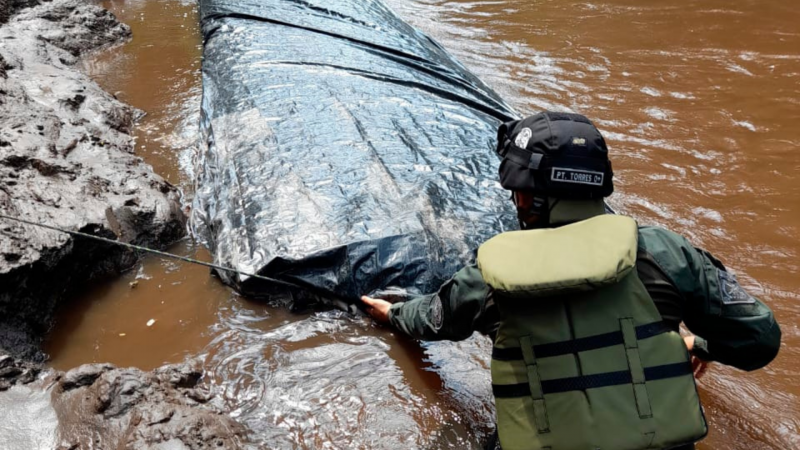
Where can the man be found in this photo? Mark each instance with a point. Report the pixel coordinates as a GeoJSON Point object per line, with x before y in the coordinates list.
{"type": "Point", "coordinates": [587, 353]}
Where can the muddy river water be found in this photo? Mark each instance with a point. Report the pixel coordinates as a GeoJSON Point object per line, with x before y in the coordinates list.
{"type": "Point", "coordinates": [700, 103]}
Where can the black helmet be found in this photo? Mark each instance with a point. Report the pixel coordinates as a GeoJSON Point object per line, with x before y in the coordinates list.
{"type": "Point", "coordinates": [557, 155]}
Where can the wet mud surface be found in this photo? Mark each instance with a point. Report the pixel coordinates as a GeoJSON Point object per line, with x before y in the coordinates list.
{"type": "Point", "coordinates": [99, 406]}
{"type": "Point", "coordinates": [66, 159]}
{"type": "Point", "coordinates": [699, 104]}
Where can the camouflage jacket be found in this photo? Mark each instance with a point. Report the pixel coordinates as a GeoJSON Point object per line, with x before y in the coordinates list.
{"type": "Point", "coordinates": [687, 285]}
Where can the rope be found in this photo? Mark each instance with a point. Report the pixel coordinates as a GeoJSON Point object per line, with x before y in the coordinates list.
{"type": "Point", "coordinates": [146, 250]}
{"type": "Point", "coordinates": [337, 300]}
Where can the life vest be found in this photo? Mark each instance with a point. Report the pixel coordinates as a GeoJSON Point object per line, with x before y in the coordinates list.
{"type": "Point", "coordinates": [582, 360]}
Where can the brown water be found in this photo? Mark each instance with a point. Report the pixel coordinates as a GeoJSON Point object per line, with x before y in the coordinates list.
{"type": "Point", "coordinates": [700, 102]}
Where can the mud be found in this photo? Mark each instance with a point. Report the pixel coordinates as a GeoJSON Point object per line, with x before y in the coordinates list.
{"type": "Point", "coordinates": [101, 406]}
{"type": "Point", "coordinates": [15, 372]}
{"type": "Point", "coordinates": [66, 159]}
{"type": "Point", "coordinates": [9, 7]}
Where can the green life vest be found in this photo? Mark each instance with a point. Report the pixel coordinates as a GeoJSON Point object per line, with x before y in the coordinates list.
{"type": "Point", "coordinates": [582, 360]}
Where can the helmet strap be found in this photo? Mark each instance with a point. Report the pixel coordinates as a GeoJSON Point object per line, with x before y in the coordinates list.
{"type": "Point", "coordinates": [539, 208]}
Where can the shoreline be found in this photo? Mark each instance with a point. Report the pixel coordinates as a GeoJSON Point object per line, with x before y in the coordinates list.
{"type": "Point", "coordinates": [67, 159]}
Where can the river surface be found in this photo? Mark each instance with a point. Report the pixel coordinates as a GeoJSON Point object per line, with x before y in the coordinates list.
{"type": "Point", "coordinates": [700, 104]}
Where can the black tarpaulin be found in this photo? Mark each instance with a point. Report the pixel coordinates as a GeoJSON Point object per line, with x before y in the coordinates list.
{"type": "Point", "coordinates": [344, 151]}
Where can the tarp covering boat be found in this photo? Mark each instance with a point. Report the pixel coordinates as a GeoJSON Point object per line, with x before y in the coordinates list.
{"type": "Point", "coordinates": [344, 151]}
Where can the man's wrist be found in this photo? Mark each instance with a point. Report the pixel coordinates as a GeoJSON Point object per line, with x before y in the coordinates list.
{"type": "Point", "coordinates": [700, 349]}
{"type": "Point", "coordinates": [393, 310]}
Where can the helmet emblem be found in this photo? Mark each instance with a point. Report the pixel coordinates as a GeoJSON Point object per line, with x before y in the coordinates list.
{"type": "Point", "coordinates": [523, 138]}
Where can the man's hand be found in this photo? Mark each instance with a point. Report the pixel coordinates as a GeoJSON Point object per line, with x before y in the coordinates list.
{"type": "Point", "coordinates": [377, 308]}
{"type": "Point", "coordinates": [689, 341]}
{"type": "Point", "coordinates": [699, 367]}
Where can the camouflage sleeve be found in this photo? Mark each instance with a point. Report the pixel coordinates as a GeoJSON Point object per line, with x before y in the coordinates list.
{"type": "Point", "coordinates": [732, 326]}
{"type": "Point", "coordinates": [461, 307]}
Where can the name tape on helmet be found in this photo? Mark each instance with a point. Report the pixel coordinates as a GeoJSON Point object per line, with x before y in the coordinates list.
{"type": "Point", "coordinates": [586, 177]}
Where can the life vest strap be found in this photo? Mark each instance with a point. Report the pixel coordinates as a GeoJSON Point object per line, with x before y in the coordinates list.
{"type": "Point", "coordinates": [596, 381]}
{"type": "Point", "coordinates": [535, 386]}
{"type": "Point", "coordinates": [636, 367]}
{"type": "Point", "coordinates": [580, 345]}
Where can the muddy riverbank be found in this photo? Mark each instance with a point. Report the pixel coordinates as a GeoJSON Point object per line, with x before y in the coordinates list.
{"type": "Point", "coordinates": [67, 159]}
{"type": "Point", "coordinates": [100, 406]}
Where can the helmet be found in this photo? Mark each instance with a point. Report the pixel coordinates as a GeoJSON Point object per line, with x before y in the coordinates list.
{"type": "Point", "coordinates": [558, 155]}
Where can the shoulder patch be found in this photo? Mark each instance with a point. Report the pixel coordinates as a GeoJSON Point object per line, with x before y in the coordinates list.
{"type": "Point", "coordinates": [437, 313]}
{"type": "Point", "coordinates": [732, 292]}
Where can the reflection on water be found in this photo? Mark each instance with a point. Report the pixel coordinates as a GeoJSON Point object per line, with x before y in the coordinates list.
{"type": "Point", "coordinates": [699, 102]}
{"type": "Point", "coordinates": [334, 381]}
{"type": "Point", "coordinates": [159, 73]}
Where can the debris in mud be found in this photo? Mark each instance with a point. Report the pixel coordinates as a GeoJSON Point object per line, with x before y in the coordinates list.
{"type": "Point", "coordinates": [126, 408]}
{"type": "Point", "coordinates": [66, 159]}
{"type": "Point", "coordinates": [4, 67]}
{"type": "Point", "coordinates": [101, 406]}
{"type": "Point", "coordinates": [14, 372]}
